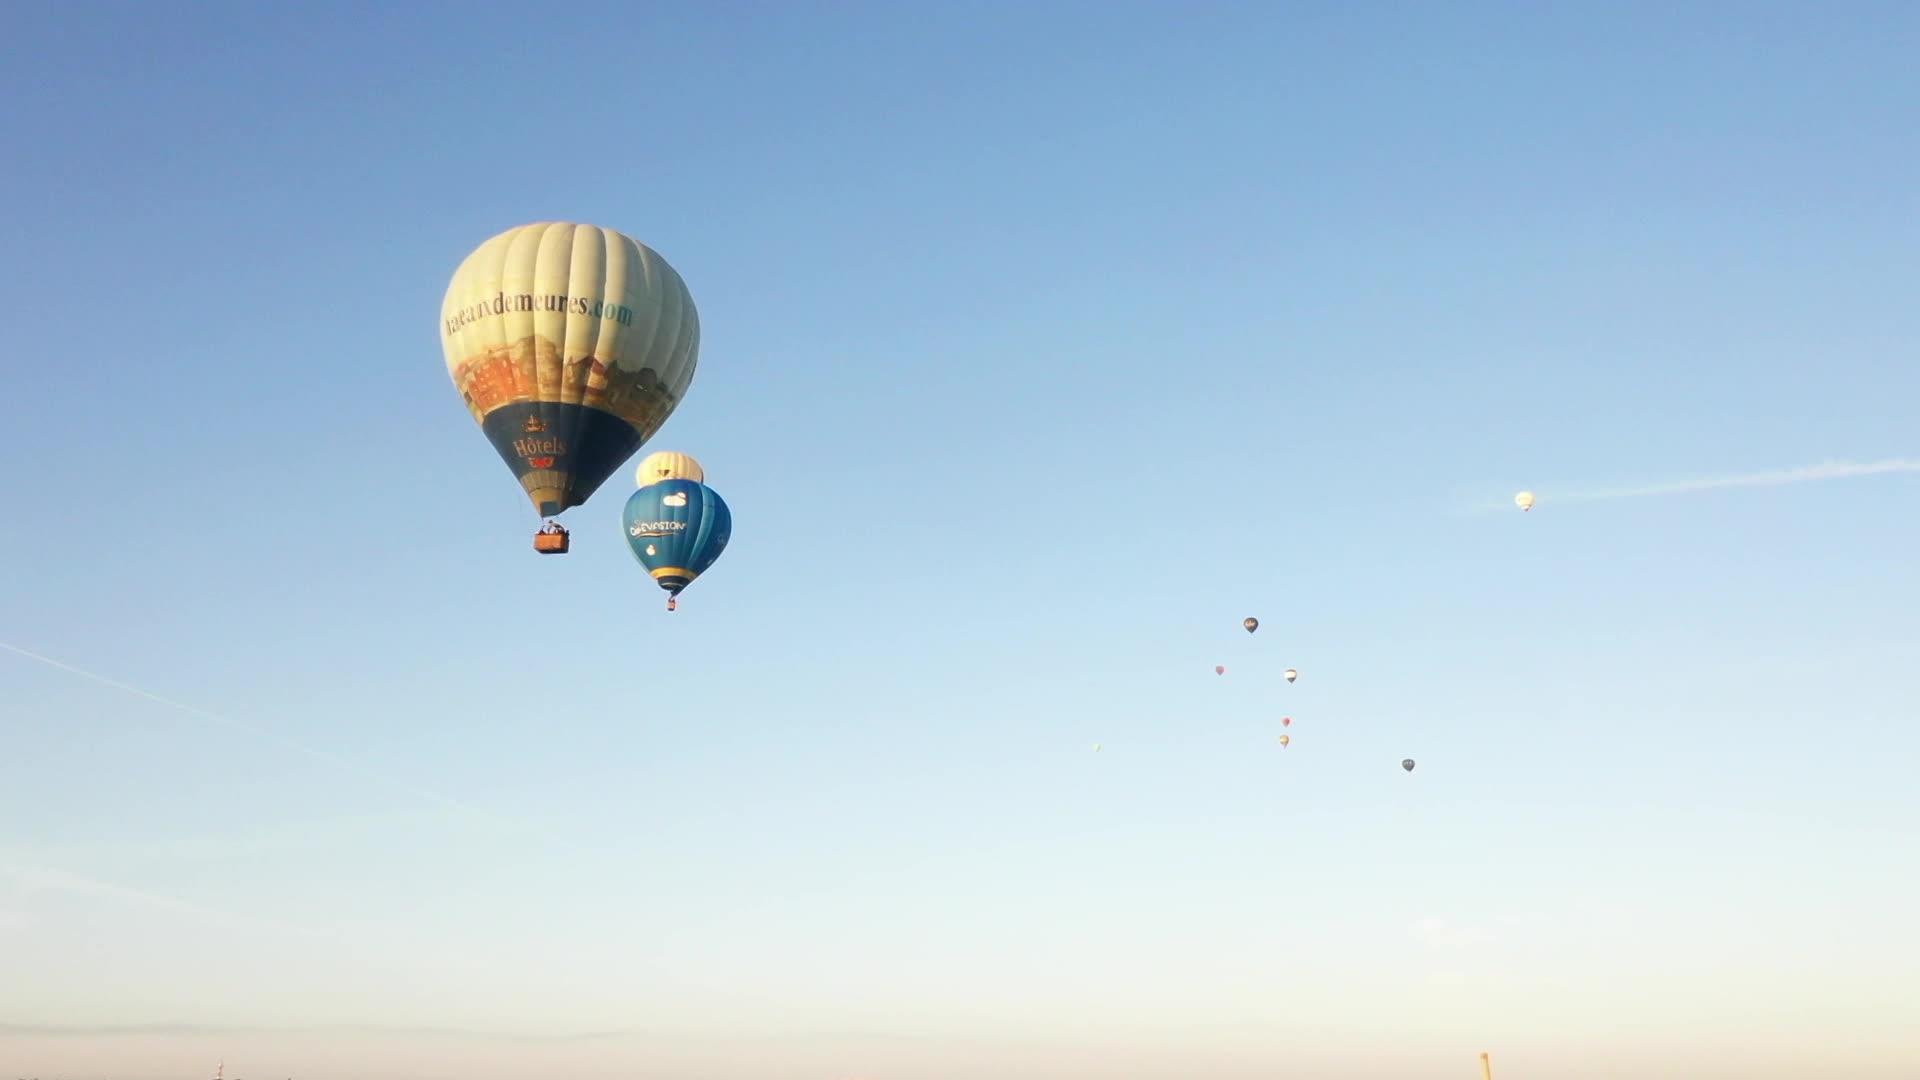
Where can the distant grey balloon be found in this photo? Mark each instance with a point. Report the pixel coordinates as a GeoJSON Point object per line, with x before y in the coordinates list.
{"type": "Point", "coordinates": [1407, 764]}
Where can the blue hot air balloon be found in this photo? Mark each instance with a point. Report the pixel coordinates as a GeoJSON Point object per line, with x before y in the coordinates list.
{"type": "Point", "coordinates": [677, 528]}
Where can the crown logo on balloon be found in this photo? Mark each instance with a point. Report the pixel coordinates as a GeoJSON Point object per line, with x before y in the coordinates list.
{"type": "Point", "coordinates": [534, 423]}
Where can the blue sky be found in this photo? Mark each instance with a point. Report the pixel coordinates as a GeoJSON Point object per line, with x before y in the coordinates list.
{"type": "Point", "coordinates": [1040, 345]}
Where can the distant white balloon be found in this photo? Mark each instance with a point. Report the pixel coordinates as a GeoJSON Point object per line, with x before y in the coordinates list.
{"type": "Point", "coordinates": [1524, 501]}
{"type": "Point", "coordinates": [668, 465]}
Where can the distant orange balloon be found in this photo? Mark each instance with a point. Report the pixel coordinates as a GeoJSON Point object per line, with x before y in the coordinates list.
{"type": "Point", "coordinates": [1284, 740]}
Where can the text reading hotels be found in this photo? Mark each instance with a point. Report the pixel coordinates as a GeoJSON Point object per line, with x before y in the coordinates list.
{"type": "Point", "coordinates": [550, 445]}
{"type": "Point", "coordinates": [560, 302]}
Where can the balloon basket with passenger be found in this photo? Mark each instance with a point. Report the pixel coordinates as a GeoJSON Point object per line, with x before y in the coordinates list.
{"type": "Point", "coordinates": [552, 539]}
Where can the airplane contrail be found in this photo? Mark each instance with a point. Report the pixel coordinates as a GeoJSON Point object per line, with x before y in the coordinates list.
{"type": "Point", "coordinates": [334, 760]}
{"type": "Point", "coordinates": [1830, 470]}
{"type": "Point", "coordinates": [31, 878]}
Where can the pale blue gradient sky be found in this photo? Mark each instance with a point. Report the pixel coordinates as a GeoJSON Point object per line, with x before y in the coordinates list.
{"type": "Point", "coordinates": [1041, 345]}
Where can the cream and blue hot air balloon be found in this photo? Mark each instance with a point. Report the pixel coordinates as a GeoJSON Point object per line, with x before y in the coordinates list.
{"type": "Point", "coordinates": [677, 528]}
{"type": "Point", "coordinates": [570, 345]}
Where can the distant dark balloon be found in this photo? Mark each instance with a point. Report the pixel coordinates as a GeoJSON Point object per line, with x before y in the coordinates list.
{"type": "Point", "coordinates": [1251, 624]}
{"type": "Point", "coordinates": [1407, 764]}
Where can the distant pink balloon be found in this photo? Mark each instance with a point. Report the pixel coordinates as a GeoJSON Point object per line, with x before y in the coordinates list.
{"type": "Point", "coordinates": [1218, 670]}
{"type": "Point", "coordinates": [1286, 721]}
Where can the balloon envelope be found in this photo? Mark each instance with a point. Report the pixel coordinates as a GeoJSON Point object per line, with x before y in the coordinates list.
{"type": "Point", "coordinates": [1286, 721]}
{"type": "Point", "coordinates": [1284, 740]}
{"type": "Point", "coordinates": [676, 528]}
{"type": "Point", "coordinates": [571, 345]}
{"type": "Point", "coordinates": [1524, 501]}
{"type": "Point", "coordinates": [668, 465]}
{"type": "Point", "coordinates": [1407, 764]}
{"type": "Point", "coordinates": [1219, 670]}
{"type": "Point", "coordinates": [1251, 624]}
{"type": "Point", "coordinates": [1292, 674]}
